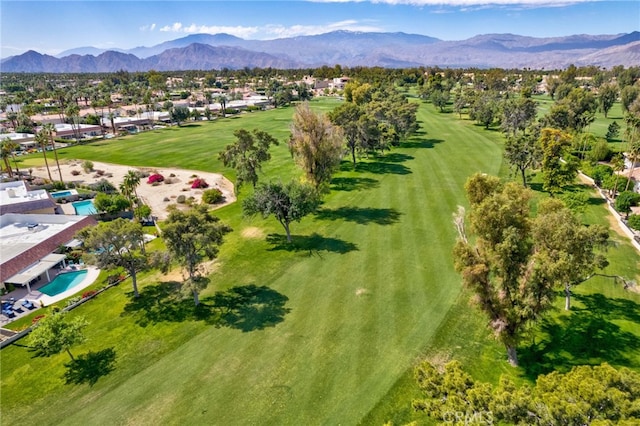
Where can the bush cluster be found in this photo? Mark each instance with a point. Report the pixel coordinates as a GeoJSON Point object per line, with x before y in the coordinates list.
{"type": "Point", "coordinates": [199, 183]}
{"type": "Point", "coordinates": [212, 196]}
{"type": "Point", "coordinates": [157, 177]}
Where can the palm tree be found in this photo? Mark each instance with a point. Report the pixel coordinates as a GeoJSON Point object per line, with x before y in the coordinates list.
{"type": "Point", "coordinates": [129, 185]}
{"type": "Point", "coordinates": [41, 139]}
{"type": "Point", "coordinates": [49, 129]}
{"type": "Point", "coordinates": [72, 112]}
{"type": "Point", "coordinates": [6, 151]}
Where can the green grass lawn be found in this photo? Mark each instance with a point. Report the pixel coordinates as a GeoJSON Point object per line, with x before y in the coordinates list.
{"type": "Point", "coordinates": [325, 331]}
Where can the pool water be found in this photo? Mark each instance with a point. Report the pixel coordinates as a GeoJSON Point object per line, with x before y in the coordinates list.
{"type": "Point", "coordinates": [84, 208]}
{"type": "Point", "coordinates": [60, 194]}
{"type": "Point", "coordinates": [63, 282]}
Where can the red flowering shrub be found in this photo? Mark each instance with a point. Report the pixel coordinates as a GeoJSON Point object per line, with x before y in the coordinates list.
{"type": "Point", "coordinates": [199, 183]}
{"type": "Point", "coordinates": [155, 178]}
{"type": "Point", "coordinates": [36, 319]}
{"type": "Point", "coordinates": [87, 294]}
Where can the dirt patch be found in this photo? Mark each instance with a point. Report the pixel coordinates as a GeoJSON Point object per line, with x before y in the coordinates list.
{"type": "Point", "coordinates": [361, 291]}
{"type": "Point", "coordinates": [252, 232]}
{"type": "Point", "coordinates": [614, 223]}
{"type": "Point", "coordinates": [177, 182]}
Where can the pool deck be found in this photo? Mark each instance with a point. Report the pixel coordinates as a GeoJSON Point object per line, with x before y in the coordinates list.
{"type": "Point", "coordinates": [39, 299]}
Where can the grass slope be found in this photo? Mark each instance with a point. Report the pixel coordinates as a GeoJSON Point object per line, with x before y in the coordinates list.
{"type": "Point", "coordinates": [326, 331]}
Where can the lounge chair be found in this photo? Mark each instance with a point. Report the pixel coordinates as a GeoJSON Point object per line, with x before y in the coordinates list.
{"type": "Point", "coordinates": [27, 304]}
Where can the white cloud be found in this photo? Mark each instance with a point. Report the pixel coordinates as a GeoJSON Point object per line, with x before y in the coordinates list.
{"type": "Point", "coordinates": [272, 30]}
{"type": "Point", "coordinates": [300, 30]}
{"type": "Point", "coordinates": [145, 28]}
{"type": "Point", "coordinates": [238, 31]}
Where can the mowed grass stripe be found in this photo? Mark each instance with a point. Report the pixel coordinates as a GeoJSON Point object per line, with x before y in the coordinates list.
{"type": "Point", "coordinates": [333, 357]}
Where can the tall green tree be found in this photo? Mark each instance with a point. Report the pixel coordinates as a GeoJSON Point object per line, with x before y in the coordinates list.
{"type": "Point", "coordinates": [568, 253]}
{"type": "Point", "coordinates": [574, 112]}
{"type": "Point", "coordinates": [179, 114]}
{"type": "Point", "coordinates": [496, 265]}
{"type": "Point", "coordinates": [484, 109]}
{"type": "Point", "coordinates": [7, 150]}
{"type": "Point", "coordinates": [130, 182]}
{"type": "Point", "coordinates": [286, 202]}
{"type": "Point", "coordinates": [247, 154]}
{"type": "Point", "coordinates": [49, 129]}
{"type": "Point", "coordinates": [584, 395]}
{"type": "Point", "coordinates": [522, 152]}
{"type": "Point", "coordinates": [116, 244]}
{"type": "Point", "coordinates": [54, 334]}
{"type": "Point", "coordinates": [607, 95]}
{"type": "Point", "coordinates": [191, 237]}
{"type": "Point", "coordinates": [558, 167]}
{"type": "Point", "coordinates": [42, 141]}
{"type": "Point", "coordinates": [347, 115]}
{"type": "Point", "coordinates": [517, 115]}
{"type": "Point", "coordinates": [315, 144]}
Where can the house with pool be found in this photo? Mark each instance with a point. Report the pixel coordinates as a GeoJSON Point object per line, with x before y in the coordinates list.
{"type": "Point", "coordinates": [29, 245]}
{"type": "Point", "coordinates": [17, 197]}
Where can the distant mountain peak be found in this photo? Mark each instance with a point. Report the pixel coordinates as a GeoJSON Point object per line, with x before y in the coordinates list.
{"type": "Point", "coordinates": [344, 47]}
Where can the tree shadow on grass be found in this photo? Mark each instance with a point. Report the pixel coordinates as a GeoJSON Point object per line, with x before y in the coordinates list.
{"type": "Point", "coordinates": [380, 168]}
{"type": "Point", "coordinates": [353, 183]}
{"type": "Point", "coordinates": [586, 336]}
{"type": "Point", "coordinates": [160, 303]}
{"type": "Point", "coordinates": [360, 215]}
{"type": "Point", "coordinates": [89, 367]}
{"type": "Point", "coordinates": [421, 143]}
{"type": "Point", "coordinates": [313, 243]}
{"type": "Point", "coordinates": [394, 157]}
{"type": "Point", "coordinates": [247, 308]}
{"type": "Point", "coordinates": [243, 307]}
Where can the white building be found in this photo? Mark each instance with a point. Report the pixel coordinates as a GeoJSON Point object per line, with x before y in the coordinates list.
{"type": "Point", "coordinates": [16, 197]}
{"type": "Point", "coordinates": [28, 242]}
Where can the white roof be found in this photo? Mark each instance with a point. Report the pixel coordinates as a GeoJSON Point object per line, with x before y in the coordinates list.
{"type": "Point", "coordinates": [17, 192]}
{"type": "Point", "coordinates": [20, 232]}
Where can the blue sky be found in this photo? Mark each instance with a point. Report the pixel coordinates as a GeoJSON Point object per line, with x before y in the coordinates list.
{"type": "Point", "coordinates": [54, 26]}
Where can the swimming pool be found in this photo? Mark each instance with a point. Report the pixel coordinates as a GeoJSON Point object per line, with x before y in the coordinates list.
{"type": "Point", "coordinates": [63, 282]}
{"type": "Point", "coordinates": [60, 194]}
{"type": "Point", "coordinates": [84, 208]}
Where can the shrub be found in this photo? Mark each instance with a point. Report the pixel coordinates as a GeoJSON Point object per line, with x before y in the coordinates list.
{"type": "Point", "coordinates": [600, 173]}
{"type": "Point", "coordinates": [88, 294]}
{"type": "Point", "coordinates": [157, 177]}
{"type": "Point", "coordinates": [87, 166]}
{"type": "Point", "coordinates": [199, 183]}
{"type": "Point", "coordinates": [212, 196]}
{"type": "Point", "coordinates": [102, 185]}
{"type": "Point", "coordinates": [73, 301]}
{"type": "Point", "coordinates": [58, 186]}
{"type": "Point", "coordinates": [111, 204]}
{"type": "Point", "coordinates": [181, 199]}
{"type": "Point", "coordinates": [625, 200]}
{"type": "Point", "coordinates": [634, 222]}
{"type": "Point", "coordinates": [600, 151]}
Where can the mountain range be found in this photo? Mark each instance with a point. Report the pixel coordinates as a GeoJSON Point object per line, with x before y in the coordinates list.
{"type": "Point", "coordinates": [394, 50]}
